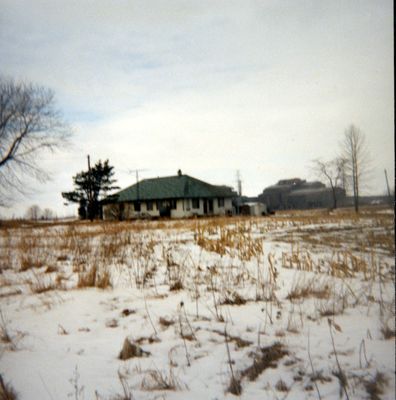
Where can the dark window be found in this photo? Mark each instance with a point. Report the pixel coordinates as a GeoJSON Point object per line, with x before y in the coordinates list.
{"type": "Point", "coordinates": [150, 206]}
{"type": "Point", "coordinates": [195, 203]}
{"type": "Point", "coordinates": [137, 206]}
{"type": "Point", "coordinates": [221, 202]}
{"type": "Point", "coordinates": [173, 204]}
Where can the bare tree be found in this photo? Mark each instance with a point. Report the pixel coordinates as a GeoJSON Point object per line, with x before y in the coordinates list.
{"type": "Point", "coordinates": [333, 172]}
{"type": "Point", "coordinates": [48, 214]}
{"type": "Point", "coordinates": [30, 124]}
{"type": "Point", "coordinates": [33, 213]}
{"type": "Point", "coordinates": [355, 152]}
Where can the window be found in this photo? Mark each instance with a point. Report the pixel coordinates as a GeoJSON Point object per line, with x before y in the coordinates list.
{"type": "Point", "coordinates": [136, 206]}
{"type": "Point", "coordinates": [221, 201]}
{"type": "Point", "coordinates": [195, 203]}
{"type": "Point", "coordinates": [150, 206]}
{"type": "Point", "coordinates": [173, 204]}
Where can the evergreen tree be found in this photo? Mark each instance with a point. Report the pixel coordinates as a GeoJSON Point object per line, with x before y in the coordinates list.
{"type": "Point", "coordinates": [90, 188]}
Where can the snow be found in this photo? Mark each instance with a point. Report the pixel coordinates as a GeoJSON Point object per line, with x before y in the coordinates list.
{"type": "Point", "coordinates": [65, 341]}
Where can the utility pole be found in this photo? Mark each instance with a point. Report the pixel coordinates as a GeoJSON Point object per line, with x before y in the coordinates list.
{"type": "Point", "coordinates": [137, 183]}
{"type": "Point", "coordinates": [89, 179]}
{"type": "Point", "coordinates": [239, 182]}
{"type": "Point", "coordinates": [387, 186]}
{"type": "Point", "coordinates": [239, 186]}
{"type": "Point", "coordinates": [90, 196]}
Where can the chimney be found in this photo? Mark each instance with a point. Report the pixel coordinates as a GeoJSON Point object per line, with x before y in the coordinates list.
{"type": "Point", "coordinates": [179, 172]}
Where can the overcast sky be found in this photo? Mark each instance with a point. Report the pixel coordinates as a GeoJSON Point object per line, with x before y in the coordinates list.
{"type": "Point", "coordinates": [210, 87]}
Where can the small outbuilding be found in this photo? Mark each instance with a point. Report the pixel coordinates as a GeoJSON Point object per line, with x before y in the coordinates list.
{"type": "Point", "coordinates": [255, 209]}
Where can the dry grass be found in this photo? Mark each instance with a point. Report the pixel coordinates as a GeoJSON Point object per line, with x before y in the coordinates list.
{"type": "Point", "coordinates": [304, 288]}
{"type": "Point", "coordinates": [239, 342]}
{"type": "Point", "coordinates": [232, 297]}
{"type": "Point", "coordinates": [29, 261]}
{"type": "Point", "coordinates": [5, 336]}
{"type": "Point", "coordinates": [7, 392]}
{"type": "Point", "coordinates": [235, 386]}
{"type": "Point", "coordinates": [94, 278]}
{"type": "Point", "coordinates": [159, 380]}
{"type": "Point", "coordinates": [281, 386]}
{"type": "Point", "coordinates": [166, 322]}
{"type": "Point", "coordinates": [176, 285]}
{"type": "Point", "coordinates": [42, 283]}
{"type": "Point", "coordinates": [127, 393]}
{"type": "Point", "coordinates": [141, 256]}
{"type": "Point", "coordinates": [387, 331]}
{"type": "Point", "coordinates": [235, 240]}
{"type": "Point", "coordinates": [265, 357]}
{"type": "Point", "coordinates": [131, 350]}
{"type": "Point", "coordinates": [375, 386]}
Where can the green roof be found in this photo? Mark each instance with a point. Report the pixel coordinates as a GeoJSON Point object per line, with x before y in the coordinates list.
{"type": "Point", "coordinates": [172, 187]}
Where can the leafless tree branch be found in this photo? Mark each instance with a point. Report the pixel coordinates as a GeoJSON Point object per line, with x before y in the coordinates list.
{"type": "Point", "coordinates": [355, 152]}
{"type": "Point", "coordinates": [30, 124]}
{"type": "Point", "coordinates": [333, 172]}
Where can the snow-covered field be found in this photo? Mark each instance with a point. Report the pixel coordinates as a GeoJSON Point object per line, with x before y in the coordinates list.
{"type": "Point", "coordinates": [298, 306]}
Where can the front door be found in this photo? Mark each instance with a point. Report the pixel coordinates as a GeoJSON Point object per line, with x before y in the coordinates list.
{"type": "Point", "coordinates": [208, 206]}
{"type": "Point", "coordinates": [164, 209]}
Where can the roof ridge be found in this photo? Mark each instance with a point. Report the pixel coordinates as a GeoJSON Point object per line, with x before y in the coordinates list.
{"type": "Point", "coordinates": [178, 176]}
{"type": "Point", "coordinates": [173, 186]}
{"type": "Point", "coordinates": [151, 179]}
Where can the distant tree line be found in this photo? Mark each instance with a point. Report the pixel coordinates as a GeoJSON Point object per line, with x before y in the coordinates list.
{"type": "Point", "coordinates": [35, 213]}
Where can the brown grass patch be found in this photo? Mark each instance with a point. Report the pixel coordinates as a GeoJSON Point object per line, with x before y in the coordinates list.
{"type": "Point", "coordinates": [156, 380]}
{"type": "Point", "coordinates": [387, 332]}
{"type": "Point", "coordinates": [5, 336]}
{"type": "Point", "coordinates": [94, 278]}
{"type": "Point", "coordinates": [375, 386]}
{"type": "Point", "coordinates": [235, 386]}
{"type": "Point", "coordinates": [127, 311]}
{"type": "Point", "coordinates": [264, 358]}
{"type": "Point", "coordinates": [42, 284]}
{"type": "Point", "coordinates": [28, 262]}
{"type": "Point", "coordinates": [166, 322]}
{"type": "Point", "coordinates": [131, 350]}
{"type": "Point", "coordinates": [281, 386]}
{"type": "Point", "coordinates": [233, 298]}
{"type": "Point", "coordinates": [240, 343]}
{"type": "Point", "coordinates": [309, 288]}
{"type": "Point", "coordinates": [87, 279]}
{"type": "Point", "coordinates": [177, 285]}
{"type": "Point", "coordinates": [7, 392]}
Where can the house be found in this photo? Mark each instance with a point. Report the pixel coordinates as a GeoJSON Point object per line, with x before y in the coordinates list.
{"type": "Point", "coordinates": [176, 196]}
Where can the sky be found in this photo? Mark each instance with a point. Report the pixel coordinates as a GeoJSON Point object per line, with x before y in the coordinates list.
{"type": "Point", "coordinates": [209, 87]}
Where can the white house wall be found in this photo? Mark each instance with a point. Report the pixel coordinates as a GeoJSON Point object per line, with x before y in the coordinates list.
{"type": "Point", "coordinates": [143, 209]}
{"type": "Point", "coordinates": [183, 209]}
{"type": "Point", "coordinates": [227, 206]}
